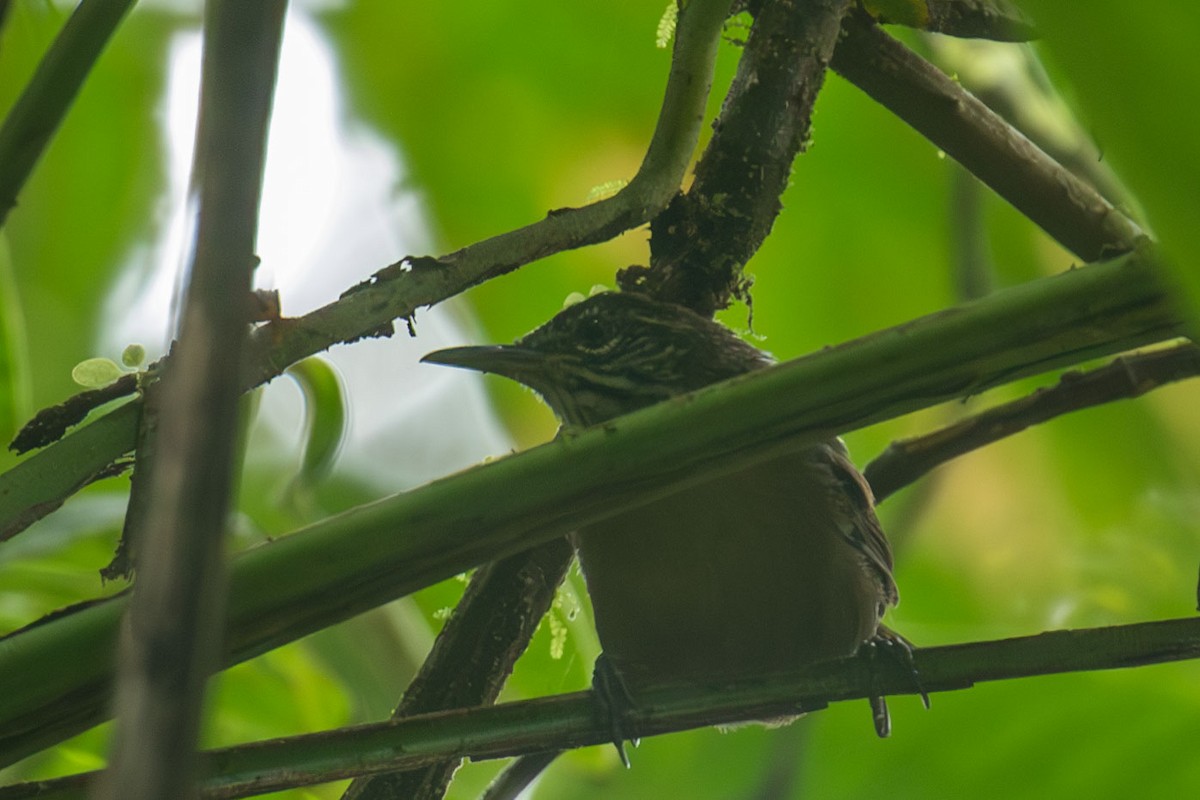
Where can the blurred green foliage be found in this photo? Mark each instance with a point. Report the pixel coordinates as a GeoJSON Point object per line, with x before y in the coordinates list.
{"type": "Point", "coordinates": [1133, 73]}
{"type": "Point", "coordinates": [502, 111]}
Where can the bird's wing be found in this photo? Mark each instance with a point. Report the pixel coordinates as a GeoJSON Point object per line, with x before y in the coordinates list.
{"type": "Point", "coordinates": [857, 521]}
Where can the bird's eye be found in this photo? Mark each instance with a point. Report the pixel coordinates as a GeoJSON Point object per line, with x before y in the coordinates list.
{"type": "Point", "coordinates": [593, 335]}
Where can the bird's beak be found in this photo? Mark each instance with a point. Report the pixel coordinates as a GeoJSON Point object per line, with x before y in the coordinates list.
{"type": "Point", "coordinates": [511, 361]}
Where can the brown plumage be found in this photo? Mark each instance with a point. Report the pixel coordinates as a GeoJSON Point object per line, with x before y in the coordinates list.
{"type": "Point", "coordinates": [780, 565]}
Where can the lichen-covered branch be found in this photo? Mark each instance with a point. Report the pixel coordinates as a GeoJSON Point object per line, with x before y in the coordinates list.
{"type": "Point", "coordinates": [701, 242]}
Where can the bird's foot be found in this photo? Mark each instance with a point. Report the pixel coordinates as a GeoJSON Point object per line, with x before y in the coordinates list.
{"type": "Point", "coordinates": [887, 641]}
{"type": "Point", "coordinates": [614, 699]}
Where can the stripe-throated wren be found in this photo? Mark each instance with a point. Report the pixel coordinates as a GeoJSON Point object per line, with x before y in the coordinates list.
{"type": "Point", "coordinates": [780, 565]}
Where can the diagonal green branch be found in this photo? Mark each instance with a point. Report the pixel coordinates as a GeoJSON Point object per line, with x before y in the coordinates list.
{"type": "Point", "coordinates": [54, 676]}
{"type": "Point", "coordinates": [400, 289]}
{"type": "Point", "coordinates": [571, 720]}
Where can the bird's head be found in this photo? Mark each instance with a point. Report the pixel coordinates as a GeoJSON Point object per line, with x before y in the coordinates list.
{"type": "Point", "coordinates": [612, 354]}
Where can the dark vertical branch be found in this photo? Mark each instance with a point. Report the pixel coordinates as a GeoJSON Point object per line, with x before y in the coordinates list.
{"type": "Point", "coordinates": [474, 654]}
{"type": "Point", "coordinates": [171, 640]}
{"type": "Point", "coordinates": [44, 102]}
{"type": "Point", "coordinates": [700, 243]}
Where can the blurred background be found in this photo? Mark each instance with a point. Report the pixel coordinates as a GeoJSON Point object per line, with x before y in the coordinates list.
{"type": "Point", "coordinates": [405, 128]}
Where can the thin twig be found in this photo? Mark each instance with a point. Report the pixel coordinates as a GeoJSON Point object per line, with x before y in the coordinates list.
{"type": "Point", "coordinates": [970, 256]}
{"type": "Point", "coordinates": [568, 721]}
{"type": "Point", "coordinates": [1130, 376]}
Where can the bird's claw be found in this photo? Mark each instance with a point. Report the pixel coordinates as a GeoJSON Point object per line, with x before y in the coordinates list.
{"type": "Point", "coordinates": [614, 699]}
{"type": "Point", "coordinates": [897, 647]}
{"type": "Point", "coordinates": [902, 649]}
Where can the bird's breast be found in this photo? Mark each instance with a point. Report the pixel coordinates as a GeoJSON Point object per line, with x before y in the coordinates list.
{"type": "Point", "coordinates": [742, 575]}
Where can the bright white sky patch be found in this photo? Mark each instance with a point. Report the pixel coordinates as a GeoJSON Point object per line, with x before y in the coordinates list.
{"type": "Point", "coordinates": [333, 211]}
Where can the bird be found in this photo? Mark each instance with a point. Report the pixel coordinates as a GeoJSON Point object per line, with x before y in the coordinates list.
{"type": "Point", "coordinates": [780, 565]}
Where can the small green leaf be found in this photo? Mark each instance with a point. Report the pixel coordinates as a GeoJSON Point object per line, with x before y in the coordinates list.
{"type": "Point", "coordinates": [133, 356]}
{"type": "Point", "coordinates": [325, 420]}
{"type": "Point", "coordinates": [96, 372]}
